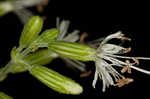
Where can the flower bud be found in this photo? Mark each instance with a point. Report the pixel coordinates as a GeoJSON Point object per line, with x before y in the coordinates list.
{"type": "Point", "coordinates": [55, 80]}
{"type": "Point", "coordinates": [4, 96]}
{"type": "Point", "coordinates": [31, 30]}
{"type": "Point", "coordinates": [5, 7]}
{"type": "Point", "coordinates": [48, 35]}
{"type": "Point", "coordinates": [72, 50]}
{"type": "Point", "coordinates": [44, 39]}
{"type": "Point", "coordinates": [41, 57]}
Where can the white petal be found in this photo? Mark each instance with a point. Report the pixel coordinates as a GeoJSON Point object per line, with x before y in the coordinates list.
{"type": "Point", "coordinates": [112, 49]}
{"type": "Point", "coordinates": [117, 35]}
{"type": "Point", "coordinates": [72, 37]}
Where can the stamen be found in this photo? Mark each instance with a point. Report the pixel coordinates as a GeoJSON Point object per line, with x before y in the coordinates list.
{"type": "Point", "coordinates": [123, 81]}
{"type": "Point", "coordinates": [86, 74]}
{"type": "Point", "coordinates": [135, 60]}
{"type": "Point", "coordinates": [82, 37]}
{"type": "Point", "coordinates": [125, 38]}
{"type": "Point", "coordinates": [124, 69]}
{"type": "Point", "coordinates": [128, 65]}
{"type": "Point", "coordinates": [127, 50]}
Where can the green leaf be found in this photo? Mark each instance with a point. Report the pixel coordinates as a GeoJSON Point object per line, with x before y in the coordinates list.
{"type": "Point", "coordinates": [56, 81]}
{"type": "Point", "coordinates": [41, 57]}
{"type": "Point", "coordinates": [72, 50]}
{"type": "Point", "coordinates": [4, 96]}
{"type": "Point", "coordinates": [31, 30]}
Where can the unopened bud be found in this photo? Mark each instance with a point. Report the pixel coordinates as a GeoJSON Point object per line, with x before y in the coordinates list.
{"type": "Point", "coordinates": [56, 81]}
{"type": "Point", "coordinates": [31, 30]}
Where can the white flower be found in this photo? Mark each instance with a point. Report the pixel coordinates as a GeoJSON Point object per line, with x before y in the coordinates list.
{"type": "Point", "coordinates": [19, 7]}
{"type": "Point", "coordinates": [107, 57]}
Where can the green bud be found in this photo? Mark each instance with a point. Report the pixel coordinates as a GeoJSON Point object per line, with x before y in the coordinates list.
{"type": "Point", "coordinates": [56, 81]}
{"type": "Point", "coordinates": [48, 35]}
{"type": "Point", "coordinates": [44, 39]}
{"type": "Point", "coordinates": [5, 7]}
{"type": "Point", "coordinates": [4, 96]}
{"type": "Point", "coordinates": [72, 50]}
{"type": "Point", "coordinates": [41, 57]}
{"type": "Point", "coordinates": [31, 30]}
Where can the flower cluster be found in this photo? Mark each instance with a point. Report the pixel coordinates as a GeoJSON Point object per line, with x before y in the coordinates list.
{"type": "Point", "coordinates": [33, 53]}
{"type": "Point", "coordinates": [38, 49]}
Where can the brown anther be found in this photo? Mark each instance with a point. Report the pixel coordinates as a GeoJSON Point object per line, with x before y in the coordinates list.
{"type": "Point", "coordinates": [126, 68]}
{"type": "Point", "coordinates": [123, 82]}
{"type": "Point", "coordinates": [40, 7]}
{"type": "Point", "coordinates": [125, 38]}
{"type": "Point", "coordinates": [129, 70]}
{"type": "Point", "coordinates": [86, 74]}
{"type": "Point", "coordinates": [82, 37]}
{"type": "Point", "coordinates": [129, 80]}
{"type": "Point", "coordinates": [135, 60]}
{"type": "Point", "coordinates": [127, 50]}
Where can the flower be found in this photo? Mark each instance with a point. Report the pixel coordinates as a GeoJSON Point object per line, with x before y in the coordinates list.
{"type": "Point", "coordinates": [19, 8]}
{"type": "Point", "coordinates": [108, 56]}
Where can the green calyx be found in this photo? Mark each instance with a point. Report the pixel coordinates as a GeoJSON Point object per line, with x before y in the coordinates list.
{"type": "Point", "coordinates": [56, 81]}
{"type": "Point", "coordinates": [72, 50]}
{"type": "Point", "coordinates": [41, 57]}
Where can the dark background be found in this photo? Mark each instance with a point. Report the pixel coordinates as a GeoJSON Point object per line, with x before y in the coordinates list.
{"type": "Point", "coordinates": [97, 19]}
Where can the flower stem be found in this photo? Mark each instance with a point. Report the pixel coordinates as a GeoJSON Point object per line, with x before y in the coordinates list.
{"type": "Point", "coordinates": [6, 69]}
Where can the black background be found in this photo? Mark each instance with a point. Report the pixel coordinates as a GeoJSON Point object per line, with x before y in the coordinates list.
{"type": "Point", "coordinates": [97, 19]}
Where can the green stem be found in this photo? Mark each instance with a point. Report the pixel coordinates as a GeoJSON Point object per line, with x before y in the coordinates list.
{"type": "Point", "coordinates": [7, 69]}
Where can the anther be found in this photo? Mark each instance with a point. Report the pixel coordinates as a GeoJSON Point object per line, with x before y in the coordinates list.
{"type": "Point", "coordinates": [125, 38]}
{"type": "Point", "coordinates": [82, 37]}
{"type": "Point", "coordinates": [86, 74]}
{"type": "Point", "coordinates": [135, 60]}
{"type": "Point", "coordinates": [127, 50]}
{"type": "Point", "coordinates": [126, 68]}
{"type": "Point", "coordinates": [123, 82]}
